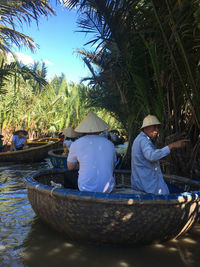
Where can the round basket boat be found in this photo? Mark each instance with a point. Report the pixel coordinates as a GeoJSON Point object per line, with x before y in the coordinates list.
{"type": "Point", "coordinates": [57, 158]}
{"type": "Point", "coordinates": [119, 218]}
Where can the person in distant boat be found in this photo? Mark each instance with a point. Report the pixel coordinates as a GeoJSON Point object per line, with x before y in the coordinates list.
{"type": "Point", "coordinates": [70, 137]}
{"type": "Point", "coordinates": [105, 134]}
{"type": "Point", "coordinates": [19, 140]}
{"type": "Point", "coordinates": [1, 143]}
{"type": "Point", "coordinates": [61, 136]}
{"type": "Point", "coordinates": [146, 174]}
{"type": "Point", "coordinates": [95, 155]}
{"type": "Point", "coordinates": [55, 135]}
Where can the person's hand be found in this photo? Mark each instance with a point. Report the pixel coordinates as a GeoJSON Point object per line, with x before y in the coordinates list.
{"type": "Point", "coordinates": [178, 144]}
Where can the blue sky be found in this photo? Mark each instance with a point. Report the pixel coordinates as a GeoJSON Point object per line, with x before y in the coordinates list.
{"type": "Point", "coordinates": [58, 42]}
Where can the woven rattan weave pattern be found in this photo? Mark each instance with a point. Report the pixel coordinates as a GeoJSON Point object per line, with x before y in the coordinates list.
{"type": "Point", "coordinates": [112, 217]}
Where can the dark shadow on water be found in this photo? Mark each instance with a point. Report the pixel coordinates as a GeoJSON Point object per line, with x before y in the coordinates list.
{"type": "Point", "coordinates": [46, 247]}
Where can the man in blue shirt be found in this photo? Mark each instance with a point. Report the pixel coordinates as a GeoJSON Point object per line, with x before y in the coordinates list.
{"type": "Point", "coordinates": [19, 140]}
{"type": "Point", "coordinates": [146, 174]}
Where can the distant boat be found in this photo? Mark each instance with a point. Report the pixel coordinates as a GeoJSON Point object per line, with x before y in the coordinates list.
{"type": "Point", "coordinates": [43, 139]}
{"type": "Point", "coordinates": [36, 152]}
{"type": "Point", "coordinates": [127, 218]}
{"type": "Point", "coordinates": [58, 160]}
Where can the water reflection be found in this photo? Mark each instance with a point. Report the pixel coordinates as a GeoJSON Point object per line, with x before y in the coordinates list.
{"type": "Point", "coordinates": [26, 241]}
{"type": "Point", "coordinates": [15, 211]}
{"type": "Point", "coordinates": [44, 247]}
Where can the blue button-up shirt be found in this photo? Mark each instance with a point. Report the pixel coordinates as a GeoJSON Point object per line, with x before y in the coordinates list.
{"type": "Point", "coordinates": [18, 141]}
{"type": "Point", "coordinates": [145, 167]}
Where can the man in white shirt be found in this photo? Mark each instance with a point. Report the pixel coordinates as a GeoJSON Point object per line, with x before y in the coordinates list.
{"type": "Point", "coordinates": [95, 155]}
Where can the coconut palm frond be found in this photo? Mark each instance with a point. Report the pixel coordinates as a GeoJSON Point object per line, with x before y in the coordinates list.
{"type": "Point", "coordinates": [16, 12]}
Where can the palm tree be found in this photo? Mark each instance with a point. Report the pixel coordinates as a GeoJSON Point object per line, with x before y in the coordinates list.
{"type": "Point", "coordinates": [157, 61]}
{"type": "Point", "coordinates": [13, 12]}
{"type": "Point", "coordinates": [123, 79]}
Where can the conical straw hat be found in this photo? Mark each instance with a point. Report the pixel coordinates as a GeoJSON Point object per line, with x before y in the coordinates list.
{"type": "Point", "coordinates": [92, 124]}
{"type": "Point", "coordinates": [69, 132]}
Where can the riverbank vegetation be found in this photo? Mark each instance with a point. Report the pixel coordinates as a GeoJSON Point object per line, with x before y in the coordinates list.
{"type": "Point", "coordinates": [42, 107]}
{"type": "Point", "coordinates": [146, 61]}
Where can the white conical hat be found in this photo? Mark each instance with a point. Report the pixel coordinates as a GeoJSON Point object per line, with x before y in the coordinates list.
{"type": "Point", "coordinates": [150, 120]}
{"type": "Point", "coordinates": [92, 124]}
{"type": "Point", "coordinates": [69, 132]}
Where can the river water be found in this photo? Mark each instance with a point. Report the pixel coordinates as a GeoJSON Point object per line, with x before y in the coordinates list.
{"type": "Point", "coordinates": [26, 241]}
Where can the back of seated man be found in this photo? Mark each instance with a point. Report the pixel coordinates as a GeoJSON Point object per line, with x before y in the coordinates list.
{"type": "Point", "coordinates": [95, 155]}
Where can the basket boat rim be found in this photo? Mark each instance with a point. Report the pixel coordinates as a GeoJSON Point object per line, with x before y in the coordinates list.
{"type": "Point", "coordinates": [52, 153]}
{"type": "Point", "coordinates": [31, 183]}
{"type": "Point", "coordinates": [40, 146]}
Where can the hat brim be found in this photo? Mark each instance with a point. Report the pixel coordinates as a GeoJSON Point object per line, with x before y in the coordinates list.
{"type": "Point", "coordinates": [21, 131]}
{"type": "Point", "coordinates": [92, 124]}
{"type": "Point", "coordinates": [70, 133]}
{"type": "Point", "coordinates": [159, 124]}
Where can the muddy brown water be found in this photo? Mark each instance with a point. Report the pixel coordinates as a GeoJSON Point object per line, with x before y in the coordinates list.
{"type": "Point", "coordinates": [26, 241]}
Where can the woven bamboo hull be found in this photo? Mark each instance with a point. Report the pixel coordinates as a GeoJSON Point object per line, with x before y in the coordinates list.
{"type": "Point", "coordinates": [35, 153]}
{"type": "Point", "coordinates": [112, 218]}
{"type": "Point", "coordinates": [57, 159]}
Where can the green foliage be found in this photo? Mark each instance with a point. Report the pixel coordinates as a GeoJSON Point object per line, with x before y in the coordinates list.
{"type": "Point", "coordinates": [54, 107]}
{"type": "Point", "coordinates": [16, 12]}
{"type": "Point", "coordinates": [146, 61]}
